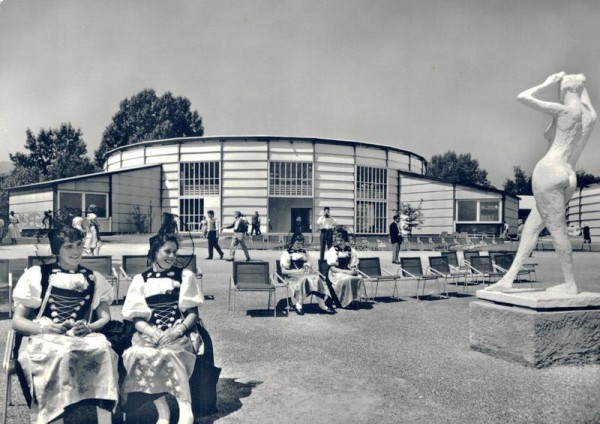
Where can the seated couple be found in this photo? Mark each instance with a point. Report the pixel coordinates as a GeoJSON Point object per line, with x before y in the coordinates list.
{"type": "Point", "coordinates": [343, 284]}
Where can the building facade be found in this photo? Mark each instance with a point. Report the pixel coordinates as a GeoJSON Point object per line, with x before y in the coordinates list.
{"type": "Point", "coordinates": [281, 178]}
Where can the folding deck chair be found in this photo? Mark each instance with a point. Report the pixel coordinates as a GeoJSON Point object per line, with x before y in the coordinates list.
{"type": "Point", "coordinates": [251, 277]}
{"type": "Point", "coordinates": [438, 265]}
{"type": "Point", "coordinates": [370, 269]}
{"type": "Point", "coordinates": [482, 267]}
{"type": "Point", "coordinates": [412, 269]}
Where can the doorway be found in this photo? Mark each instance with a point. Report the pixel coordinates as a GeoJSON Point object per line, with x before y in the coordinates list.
{"type": "Point", "coordinates": [305, 215]}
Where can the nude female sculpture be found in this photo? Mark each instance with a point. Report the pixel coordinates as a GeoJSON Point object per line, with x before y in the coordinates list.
{"type": "Point", "coordinates": [554, 180]}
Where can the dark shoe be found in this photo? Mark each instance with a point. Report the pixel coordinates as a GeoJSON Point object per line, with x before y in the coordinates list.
{"type": "Point", "coordinates": [229, 259]}
{"type": "Point", "coordinates": [328, 310]}
{"type": "Point", "coordinates": [221, 256]}
{"type": "Point", "coordinates": [208, 258]}
{"type": "Point", "coordinates": [300, 311]}
{"type": "Point", "coordinates": [248, 259]}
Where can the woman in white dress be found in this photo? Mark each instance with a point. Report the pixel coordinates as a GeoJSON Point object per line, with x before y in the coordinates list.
{"type": "Point", "coordinates": [13, 227]}
{"type": "Point", "coordinates": [347, 283]}
{"type": "Point", "coordinates": [163, 304]}
{"type": "Point", "coordinates": [60, 308]}
{"type": "Point", "coordinates": [296, 267]}
{"type": "Point", "coordinates": [90, 225]}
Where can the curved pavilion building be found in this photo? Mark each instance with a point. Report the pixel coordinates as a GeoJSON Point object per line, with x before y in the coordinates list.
{"type": "Point", "coordinates": [281, 178]}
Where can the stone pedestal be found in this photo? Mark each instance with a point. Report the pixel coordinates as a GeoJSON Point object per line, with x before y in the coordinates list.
{"type": "Point", "coordinates": [535, 328]}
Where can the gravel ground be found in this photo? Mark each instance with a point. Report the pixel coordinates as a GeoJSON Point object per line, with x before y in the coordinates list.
{"type": "Point", "coordinates": [388, 362]}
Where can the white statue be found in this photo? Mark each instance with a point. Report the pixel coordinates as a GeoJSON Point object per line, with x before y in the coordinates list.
{"type": "Point", "coordinates": [553, 179]}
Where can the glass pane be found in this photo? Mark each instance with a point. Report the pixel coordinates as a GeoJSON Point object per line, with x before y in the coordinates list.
{"type": "Point", "coordinates": [70, 201]}
{"type": "Point", "coordinates": [467, 210]}
{"type": "Point", "coordinates": [100, 201]}
{"type": "Point", "coordinates": [489, 211]}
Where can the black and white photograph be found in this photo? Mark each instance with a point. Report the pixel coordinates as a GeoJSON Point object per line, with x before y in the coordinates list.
{"type": "Point", "coordinates": [265, 211]}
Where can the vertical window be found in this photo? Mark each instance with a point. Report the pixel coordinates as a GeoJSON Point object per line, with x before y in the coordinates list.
{"type": "Point", "coordinates": [190, 214]}
{"type": "Point", "coordinates": [478, 211]}
{"type": "Point", "coordinates": [81, 201]}
{"type": "Point", "coordinates": [371, 200]}
{"type": "Point", "coordinates": [291, 179]}
{"type": "Point", "coordinates": [199, 179]}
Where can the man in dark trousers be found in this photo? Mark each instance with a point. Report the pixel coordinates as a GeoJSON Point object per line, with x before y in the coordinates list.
{"type": "Point", "coordinates": [212, 224]}
{"type": "Point", "coordinates": [587, 237]}
{"type": "Point", "coordinates": [326, 223]}
{"type": "Point", "coordinates": [255, 224]}
{"type": "Point", "coordinates": [395, 238]}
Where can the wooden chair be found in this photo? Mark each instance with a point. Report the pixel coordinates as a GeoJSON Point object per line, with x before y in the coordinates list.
{"type": "Point", "coordinates": [411, 268]}
{"type": "Point", "coordinates": [251, 277]}
{"type": "Point", "coordinates": [370, 269]}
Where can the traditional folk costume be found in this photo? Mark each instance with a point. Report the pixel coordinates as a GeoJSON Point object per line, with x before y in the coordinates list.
{"type": "Point", "coordinates": [61, 369]}
{"type": "Point", "coordinates": [347, 288]}
{"type": "Point", "coordinates": [303, 282]}
{"type": "Point", "coordinates": [161, 298]}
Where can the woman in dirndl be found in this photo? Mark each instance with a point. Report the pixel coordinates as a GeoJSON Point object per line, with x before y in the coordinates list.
{"type": "Point", "coordinates": [297, 269]}
{"type": "Point", "coordinates": [163, 304]}
{"type": "Point", "coordinates": [60, 308]}
{"type": "Point", "coordinates": [346, 282]}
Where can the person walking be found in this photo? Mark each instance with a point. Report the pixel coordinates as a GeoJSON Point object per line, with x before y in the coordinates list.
{"type": "Point", "coordinates": [395, 238]}
{"type": "Point", "coordinates": [1, 230]}
{"type": "Point", "coordinates": [326, 224]}
{"type": "Point", "coordinates": [587, 237]}
{"type": "Point", "coordinates": [255, 224]}
{"type": "Point", "coordinates": [240, 228]}
{"type": "Point", "coordinates": [210, 230]}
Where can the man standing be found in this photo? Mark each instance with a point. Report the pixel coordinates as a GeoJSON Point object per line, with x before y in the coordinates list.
{"type": "Point", "coordinates": [210, 231]}
{"type": "Point", "coordinates": [1, 229]}
{"type": "Point", "coordinates": [255, 224]}
{"type": "Point", "coordinates": [587, 237]}
{"type": "Point", "coordinates": [240, 228]}
{"type": "Point", "coordinates": [326, 223]}
{"type": "Point", "coordinates": [395, 238]}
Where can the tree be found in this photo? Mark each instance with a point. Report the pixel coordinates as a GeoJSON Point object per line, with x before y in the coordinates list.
{"type": "Point", "coordinates": [145, 116]}
{"type": "Point", "coordinates": [54, 153]}
{"type": "Point", "coordinates": [410, 217]}
{"type": "Point", "coordinates": [458, 169]}
{"type": "Point", "coordinates": [584, 179]}
{"type": "Point", "coordinates": [520, 185]}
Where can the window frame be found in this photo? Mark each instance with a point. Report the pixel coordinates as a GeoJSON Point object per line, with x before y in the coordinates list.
{"type": "Point", "coordinates": [294, 179]}
{"type": "Point", "coordinates": [478, 211]}
{"type": "Point", "coordinates": [83, 194]}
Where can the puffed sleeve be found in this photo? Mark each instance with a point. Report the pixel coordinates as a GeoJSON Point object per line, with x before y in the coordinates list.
{"type": "Point", "coordinates": [331, 257]}
{"type": "Point", "coordinates": [103, 291]}
{"type": "Point", "coordinates": [190, 294]}
{"type": "Point", "coordinates": [135, 305]}
{"type": "Point", "coordinates": [353, 258]}
{"type": "Point", "coordinates": [286, 260]}
{"type": "Point", "coordinates": [28, 290]}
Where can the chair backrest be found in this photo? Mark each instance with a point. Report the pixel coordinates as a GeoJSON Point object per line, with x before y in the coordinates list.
{"type": "Point", "coordinates": [4, 270]}
{"type": "Point", "coordinates": [324, 267]}
{"type": "Point", "coordinates": [482, 264]}
{"type": "Point", "coordinates": [370, 266]}
{"type": "Point", "coordinates": [278, 269]}
{"type": "Point", "coordinates": [135, 264]}
{"type": "Point", "coordinates": [470, 254]}
{"type": "Point", "coordinates": [187, 261]}
{"type": "Point", "coordinates": [440, 264]}
{"type": "Point", "coordinates": [251, 275]}
{"type": "Point", "coordinates": [39, 260]}
{"type": "Point", "coordinates": [101, 264]}
{"type": "Point", "coordinates": [504, 261]}
{"type": "Point", "coordinates": [411, 265]}
{"type": "Point", "coordinates": [451, 258]}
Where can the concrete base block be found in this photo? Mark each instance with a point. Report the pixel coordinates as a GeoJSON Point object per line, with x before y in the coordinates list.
{"type": "Point", "coordinates": [535, 338]}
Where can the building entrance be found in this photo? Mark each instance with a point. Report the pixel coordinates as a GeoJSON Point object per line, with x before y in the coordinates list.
{"type": "Point", "coordinates": [301, 219]}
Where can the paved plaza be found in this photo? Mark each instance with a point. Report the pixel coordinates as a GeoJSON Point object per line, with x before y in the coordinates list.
{"type": "Point", "coordinates": [392, 361]}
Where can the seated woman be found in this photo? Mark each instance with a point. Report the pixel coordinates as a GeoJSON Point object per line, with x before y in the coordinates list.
{"type": "Point", "coordinates": [163, 304]}
{"type": "Point", "coordinates": [346, 282]}
{"type": "Point", "coordinates": [296, 267]}
{"type": "Point", "coordinates": [60, 307]}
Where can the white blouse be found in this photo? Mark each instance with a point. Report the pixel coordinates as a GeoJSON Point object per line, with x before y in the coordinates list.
{"type": "Point", "coordinates": [332, 256]}
{"type": "Point", "coordinates": [135, 306]}
{"type": "Point", "coordinates": [28, 290]}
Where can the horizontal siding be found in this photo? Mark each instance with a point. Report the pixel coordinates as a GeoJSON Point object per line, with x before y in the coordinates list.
{"type": "Point", "coordinates": [162, 150]}
{"type": "Point", "coordinates": [244, 146]}
{"type": "Point", "coordinates": [463, 193]}
{"type": "Point", "coordinates": [132, 154]}
{"type": "Point", "coordinates": [135, 161]}
{"type": "Point", "coordinates": [201, 157]}
{"type": "Point", "coordinates": [373, 163]}
{"type": "Point", "coordinates": [229, 165]}
{"type": "Point", "coordinates": [95, 184]}
{"type": "Point", "coordinates": [200, 147]}
{"type": "Point", "coordinates": [173, 158]}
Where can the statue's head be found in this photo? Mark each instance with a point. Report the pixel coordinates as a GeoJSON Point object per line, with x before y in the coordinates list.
{"type": "Point", "coordinates": [571, 82]}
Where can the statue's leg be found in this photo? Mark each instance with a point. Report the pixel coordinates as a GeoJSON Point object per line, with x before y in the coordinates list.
{"type": "Point", "coordinates": [551, 205]}
{"type": "Point", "coordinates": [531, 229]}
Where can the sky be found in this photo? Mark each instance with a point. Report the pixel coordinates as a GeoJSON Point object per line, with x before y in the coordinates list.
{"type": "Point", "coordinates": [425, 75]}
